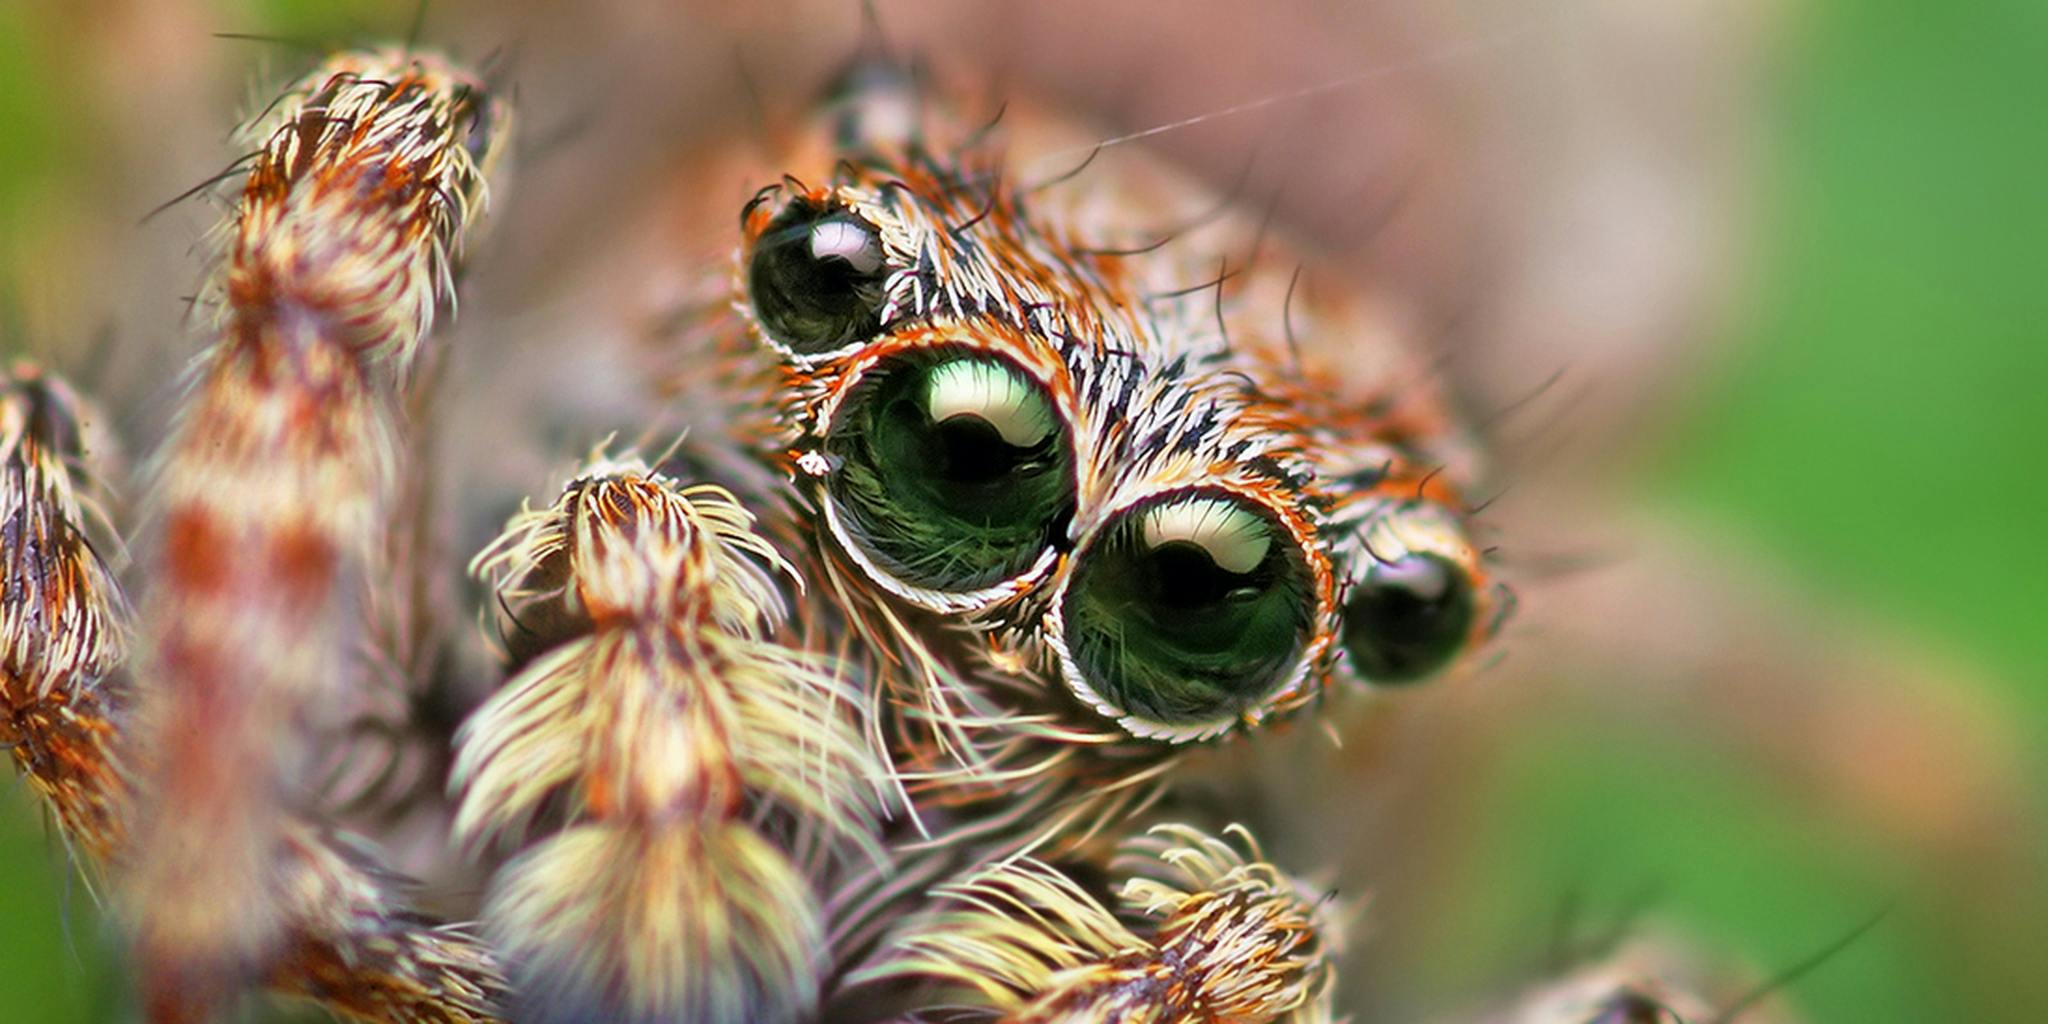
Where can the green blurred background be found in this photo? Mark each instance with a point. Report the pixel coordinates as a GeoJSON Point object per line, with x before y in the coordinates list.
{"type": "Point", "coordinates": [1879, 437]}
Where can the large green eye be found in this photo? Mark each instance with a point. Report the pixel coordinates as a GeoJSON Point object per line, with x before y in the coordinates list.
{"type": "Point", "coordinates": [816, 279]}
{"type": "Point", "coordinates": [1408, 618]}
{"type": "Point", "coordinates": [1188, 609]}
{"type": "Point", "coordinates": [954, 469]}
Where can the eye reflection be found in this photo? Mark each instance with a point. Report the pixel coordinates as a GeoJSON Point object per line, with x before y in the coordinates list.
{"type": "Point", "coordinates": [955, 470]}
{"type": "Point", "coordinates": [1188, 609]}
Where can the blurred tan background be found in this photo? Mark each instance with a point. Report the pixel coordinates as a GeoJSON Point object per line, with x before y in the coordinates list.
{"type": "Point", "coordinates": [1775, 525]}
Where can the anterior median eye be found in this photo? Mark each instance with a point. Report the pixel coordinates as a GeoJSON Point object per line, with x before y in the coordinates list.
{"type": "Point", "coordinates": [1188, 609]}
{"type": "Point", "coordinates": [954, 469]}
{"type": "Point", "coordinates": [815, 279]}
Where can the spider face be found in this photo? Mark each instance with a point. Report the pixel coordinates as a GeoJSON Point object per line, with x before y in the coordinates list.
{"type": "Point", "coordinates": [1121, 482]}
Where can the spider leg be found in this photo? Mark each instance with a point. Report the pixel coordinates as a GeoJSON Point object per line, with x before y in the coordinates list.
{"type": "Point", "coordinates": [1207, 932]}
{"type": "Point", "coordinates": [349, 940]}
{"type": "Point", "coordinates": [64, 624]}
{"type": "Point", "coordinates": [713, 777]}
{"type": "Point", "coordinates": [273, 493]}
{"type": "Point", "coordinates": [1652, 980]}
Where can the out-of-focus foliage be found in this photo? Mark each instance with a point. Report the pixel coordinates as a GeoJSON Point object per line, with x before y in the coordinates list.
{"type": "Point", "coordinates": [1879, 436]}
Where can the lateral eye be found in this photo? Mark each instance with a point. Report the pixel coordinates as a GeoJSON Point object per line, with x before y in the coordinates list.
{"type": "Point", "coordinates": [816, 279]}
{"type": "Point", "coordinates": [1408, 618]}
{"type": "Point", "coordinates": [1630, 1007]}
{"type": "Point", "coordinates": [1188, 609]}
{"type": "Point", "coordinates": [1410, 613]}
{"type": "Point", "coordinates": [954, 469]}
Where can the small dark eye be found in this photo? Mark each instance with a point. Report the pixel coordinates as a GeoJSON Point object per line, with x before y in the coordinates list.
{"type": "Point", "coordinates": [1407, 618]}
{"type": "Point", "coordinates": [816, 278]}
{"type": "Point", "coordinates": [1628, 1007]}
{"type": "Point", "coordinates": [1188, 609]}
{"type": "Point", "coordinates": [954, 468]}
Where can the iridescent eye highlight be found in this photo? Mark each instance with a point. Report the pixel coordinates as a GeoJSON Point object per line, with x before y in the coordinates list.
{"type": "Point", "coordinates": [816, 279]}
{"type": "Point", "coordinates": [1188, 609]}
{"type": "Point", "coordinates": [953, 469]}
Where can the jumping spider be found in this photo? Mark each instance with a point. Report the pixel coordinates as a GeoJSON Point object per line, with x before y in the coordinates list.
{"type": "Point", "coordinates": [853, 694]}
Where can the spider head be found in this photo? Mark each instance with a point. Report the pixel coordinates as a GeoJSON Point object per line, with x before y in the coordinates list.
{"type": "Point", "coordinates": [1101, 479]}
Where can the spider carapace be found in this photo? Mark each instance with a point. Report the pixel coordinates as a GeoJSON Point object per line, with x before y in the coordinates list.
{"type": "Point", "coordinates": [1015, 467]}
